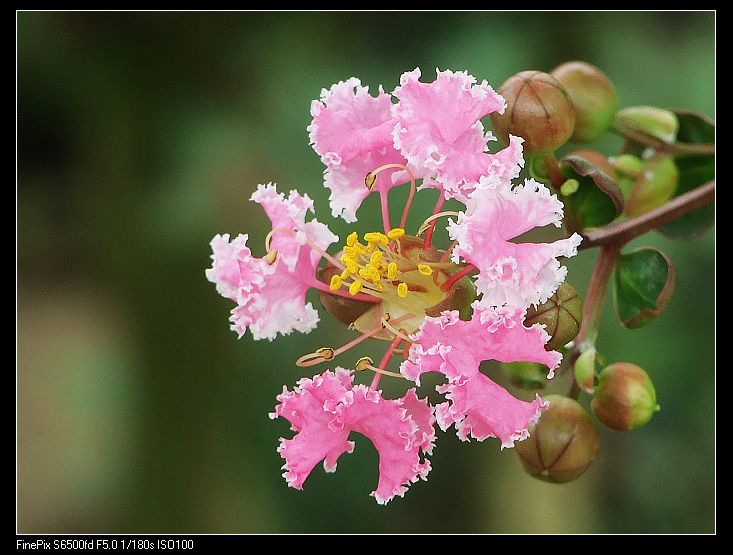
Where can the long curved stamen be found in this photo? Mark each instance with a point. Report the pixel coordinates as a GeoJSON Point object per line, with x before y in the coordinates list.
{"type": "Point", "coordinates": [395, 331]}
{"type": "Point", "coordinates": [428, 223]}
{"type": "Point", "coordinates": [458, 275]}
{"type": "Point", "coordinates": [371, 179]}
{"type": "Point", "coordinates": [438, 207]}
{"type": "Point", "coordinates": [311, 244]}
{"type": "Point", "coordinates": [319, 355]}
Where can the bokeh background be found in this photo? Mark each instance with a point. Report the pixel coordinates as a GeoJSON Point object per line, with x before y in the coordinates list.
{"type": "Point", "coordinates": [140, 136]}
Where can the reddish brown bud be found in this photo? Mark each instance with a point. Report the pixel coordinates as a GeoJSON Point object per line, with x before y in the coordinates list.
{"type": "Point", "coordinates": [561, 314]}
{"type": "Point", "coordinates": [538, 110]}
{"type": "Point", "coordinates": [562, 444]}
{"type": "Point", "coordinates": [593, 97]}
{"type": "Point", "coordinates": [624, 398]}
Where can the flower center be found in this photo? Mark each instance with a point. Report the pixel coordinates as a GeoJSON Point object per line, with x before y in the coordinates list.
{"type": "Point", "coordinates": [403, 274]}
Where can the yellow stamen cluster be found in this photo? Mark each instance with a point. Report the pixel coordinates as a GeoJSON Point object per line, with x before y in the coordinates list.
{"type": "Point", "coordinates": [368, 264]}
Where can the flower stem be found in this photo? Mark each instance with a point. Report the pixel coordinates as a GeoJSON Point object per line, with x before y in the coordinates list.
{"type": "Point", "coordinates": [338, 293]}
{"type": "Point", "coordinates": [384, 203]}
{"type": "Point", "coordinates": [385, 359]}
{"type": "Point", "coordinates": [595, 298]}
{"type": "Point", "coordinates": [625, 231]}
{"type": "Point", "coordinates": [458, 275]}
{"type": "Point", "coordinates": [429, 234]}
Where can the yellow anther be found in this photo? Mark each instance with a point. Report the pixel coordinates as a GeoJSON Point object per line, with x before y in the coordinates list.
{"type": "Point", "coordinates": [376, 258]}
{"type": "Point", "coordinates": [395, 233]}
{"type": "Point", "coordinates": [402, 290]}
{"type": "Point", "coordinates": [424, 269]}
{"type": "Point", "coordinates": [370, 180]}
{"type": "Point", "coordinates": [374, 274]}
{"type": "Point", "coordinates": [359, 248]}
{"type": "Point", "coordinates": [363, 364]}
{"type": "Point", "coordinates": [392, 270]}
{"type": "Point", "coordinates": [345, 274]}
{"type": "Point", "coordinates": [270, 257]}
{"type": "Point", "coordinates": [350, 262]}
{"type": "Point", "coordinates": [352, 238]}
{"type": "Point", "coordinates": [351, 251]}
{"type": "Point", "coordinates": [365, 272]}
{"type": "Point", "coordinates": [376, 237]}
{"type": "Point", "coordinates": [355, 287]}
{"type": "Point", "coordinates": [336, 283]}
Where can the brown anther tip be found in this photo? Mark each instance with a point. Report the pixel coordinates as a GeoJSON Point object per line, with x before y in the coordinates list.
{"type": "Point", "coordinates": [363, 364]}
{"type": "Point", "coordinates": [326, 353]}
{"type": "Point", "coordinates": [370, 180]}
{"type": "Point", "coordinates": [270, 257]}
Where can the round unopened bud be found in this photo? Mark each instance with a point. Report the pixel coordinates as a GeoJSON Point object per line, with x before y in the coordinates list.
{"type": "Point", "coordinates": [561, 314]}
{"type": "Point", "coordinates": [593, 96]}
{"type": "Point", "coordinates": [562, 444]}
{"type": "Point", "coordinates": [624, 398]}
{"type": "Point", "coordinates": [538, 110]}
{"type": "Point", "coordinates": [655, 185]}
{"type": "Point", "coordinates": [527, 375]}
{"type": "Point", "coordinates": [649, 121]}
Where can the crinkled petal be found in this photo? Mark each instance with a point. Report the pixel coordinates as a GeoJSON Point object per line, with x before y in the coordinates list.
{"type": "Point", "coordinates": [271, 297]}
{"type": "Point", "coordinates": [440, 134]}
{"type": "Point", "coordinates": [234, 270]}
{"type": "Point", "coordinates": [456, 348]}
{"type": "Point", "coordinates": [325, 409]}
{"type": "Point", "coordinates": [352, 132]}
{"type": "Point", "coordinates": [516, 273]}
{"type": "Point", "coordinates": [346, 181]}
{"type": "Point", "coordinates": [481, 408]}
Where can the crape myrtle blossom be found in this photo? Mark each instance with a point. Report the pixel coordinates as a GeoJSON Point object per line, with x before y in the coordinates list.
{"type": "Point", "coordinates": [324, 410]}
{"type": "Point", "coordinates": [477, 406]}
{"type": "Point", "coordinates": [518, 274]}
{"type": "Point", "coordinates": [397, 287]}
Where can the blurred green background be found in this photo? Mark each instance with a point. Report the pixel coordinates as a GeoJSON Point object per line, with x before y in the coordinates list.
{"type": "Point", "coordinates": [143, 135]}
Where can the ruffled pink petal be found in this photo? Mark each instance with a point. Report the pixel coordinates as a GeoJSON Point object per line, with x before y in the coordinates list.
{"type": "Point", "coordinates": [455, 347]}
{"type": "Point", "coordinates": [348, 122]}
{"type": "Point", "coordinates": [440, 134]}
{"type": "Point", "coordinates": [480, 408]}
{"type": "Point", "coordinates": [346, 181]}
{"type": "Point", "coordinates": [324, 410]}
{"type": "Point", "coordinates": [476, 405]}
{"type": "Point", "coordinates": [352, 133]}
{"type": "Point", "coordinates": [271, 298]}
{"type": "Point", "coordinates": [516, 273]}
{"type": "Point", "coordinates": [233, 269]}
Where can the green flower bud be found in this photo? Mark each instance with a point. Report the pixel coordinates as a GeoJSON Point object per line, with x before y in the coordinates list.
{"type": "Point", "coordinates": [624, 398]}
{"type": "Point", "coordinates": [538, 110]}
{"type": "Point", "coordinates": [655, 186]}
{"type": "Point", "coordinates": [562, 444]}
{"type": "Point", "coordinates": [593, 97]}
{"type": "Point", "coordinates": [585, 370]}
{"type": "Point", "coordinates": [527, 375]}
{"type": "Point", "coordinates": [561, 315]}
{"type": "Point", "coordinates": [627, 164]}
{"type": "Point", "coordinates": [647, 120]}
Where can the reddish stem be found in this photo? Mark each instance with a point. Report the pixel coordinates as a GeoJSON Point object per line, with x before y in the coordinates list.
{"type": "Point", "coordinates": [385, 359]}
{"type": "Point", "coordinates": [458, 275]}
{"type": "Point", "coordinates": [339, 293]}
{"type": "Point", "coordinates": [429, 233]}
{"type": "Point", "coordinates": [384, 203]}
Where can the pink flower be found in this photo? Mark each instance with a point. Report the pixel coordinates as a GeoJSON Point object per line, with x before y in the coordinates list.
{"type": "Point", "coordinates": [518, 274]}
{"type": "Point", "coordinates": [352, 133]}
{"type": "Point", "coordinates": [477, 406]}
{"type": "Point", "coordinates": [271, 297]}
{"type": "Point", "coordinates": [323, 411]}
{"type": "Point", "coordinates": [441, 135]}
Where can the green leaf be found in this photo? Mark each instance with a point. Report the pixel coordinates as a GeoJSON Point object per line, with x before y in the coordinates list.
{"type": "Point", "coordinates": [694, 128]}
{"type": "Point", "coordinates": [643, 281]}
{"type": "Point", "coordinates": [694, 171]}
{"type": "Point", "coordinates": [598, 199]}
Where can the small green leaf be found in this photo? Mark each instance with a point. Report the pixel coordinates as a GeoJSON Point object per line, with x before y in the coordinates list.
{"type": "Point", "coordinates": [598, 199]}
{"type": "Point", "coordinates": [694, 128]}
{"type": "Point", "coordinates": [693, 172]}
{"type": "Point", "coordinates": [643, 282]}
